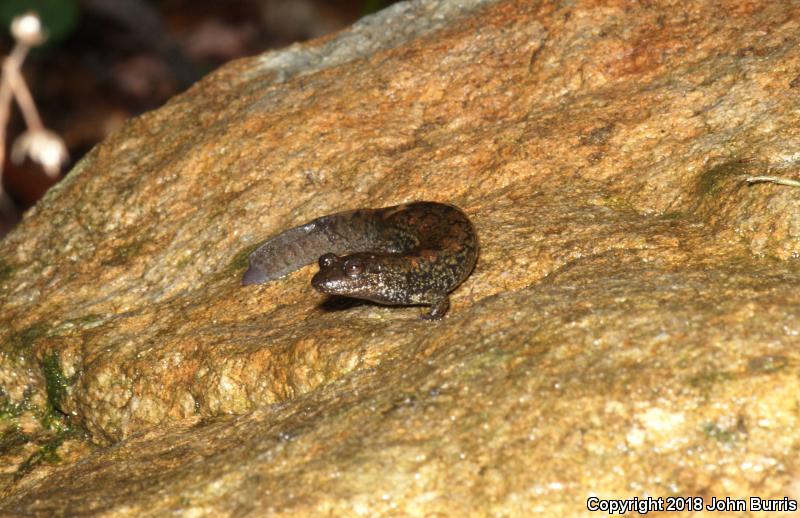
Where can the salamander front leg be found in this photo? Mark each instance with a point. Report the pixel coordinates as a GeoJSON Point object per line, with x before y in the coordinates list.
{"type": "Point", "coordinates": [438, 309]}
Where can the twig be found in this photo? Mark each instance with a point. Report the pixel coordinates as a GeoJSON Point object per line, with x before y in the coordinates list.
{"type": "Point", "coordinates": [773, 179]}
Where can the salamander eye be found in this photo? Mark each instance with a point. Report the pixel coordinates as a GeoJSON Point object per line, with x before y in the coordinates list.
{"type": "Point", "coordinates": [353, 268]}
{"type": "Point", "coordinates": [327, 260]}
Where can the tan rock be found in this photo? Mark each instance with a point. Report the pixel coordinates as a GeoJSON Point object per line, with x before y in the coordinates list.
{"type": "Point", "coordinates": [631, 328]}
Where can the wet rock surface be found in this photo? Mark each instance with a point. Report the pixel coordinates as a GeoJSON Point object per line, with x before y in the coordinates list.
{"type": "Point", "coordinates": [630, 329]}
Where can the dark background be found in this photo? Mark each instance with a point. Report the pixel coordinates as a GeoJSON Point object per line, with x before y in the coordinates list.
{"type": "Point", "coordinates": [108, 60]}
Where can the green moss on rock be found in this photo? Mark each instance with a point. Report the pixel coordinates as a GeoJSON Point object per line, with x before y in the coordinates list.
{"type": "Point", "coordinates": [711, 182]}
{"type": "Point", "coordinates": [10, 409]}
{"type": "Point", "coordinates": [55, 382]}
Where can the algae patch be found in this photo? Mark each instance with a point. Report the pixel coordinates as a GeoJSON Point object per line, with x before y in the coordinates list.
{"type": "Point", "coordinates": [712, 182]}
{"type": "Point", "coordinates": [9, 409]}
{"type": "Point", "coordinates": [55, 382]}
{"type": "Point", "coordinates": [725, 436]}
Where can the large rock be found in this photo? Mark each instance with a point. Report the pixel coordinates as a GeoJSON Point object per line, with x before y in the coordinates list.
{"type": "Point", "coordinates": [631, 328]}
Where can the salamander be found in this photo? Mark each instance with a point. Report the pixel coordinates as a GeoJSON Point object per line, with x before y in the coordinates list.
{"type": "Point", "coordinates": [410, 254]}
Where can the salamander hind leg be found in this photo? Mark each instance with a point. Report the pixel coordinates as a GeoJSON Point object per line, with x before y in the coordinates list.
{"type": "Point", "coordinates": [438, 309]}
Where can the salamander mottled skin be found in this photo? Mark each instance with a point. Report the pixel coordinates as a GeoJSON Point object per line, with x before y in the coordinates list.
{"type": "Point", "coordinates": [411, 254]}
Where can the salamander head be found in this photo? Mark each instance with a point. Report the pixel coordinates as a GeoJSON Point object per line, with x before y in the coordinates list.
{"type": "Point", "coordinates": [362, 276]}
